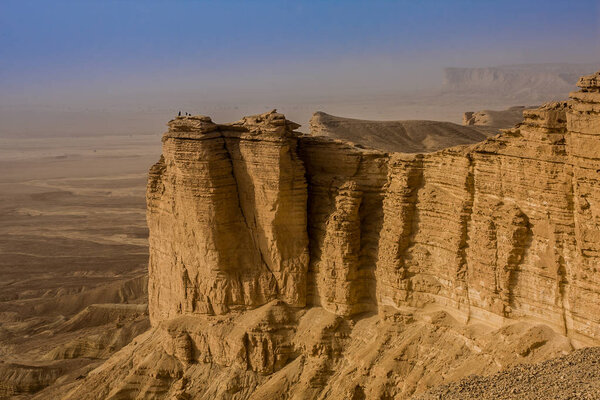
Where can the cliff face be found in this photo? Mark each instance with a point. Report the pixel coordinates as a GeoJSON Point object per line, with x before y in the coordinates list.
{"type": "Point", "coordinates": [227, 211]}
{"type": "Point", "coordinates": [506, 227]}
{"type": "Point", "coordinates": [292, 266]}
{"type": "Point", "coordinates": [501, 229]}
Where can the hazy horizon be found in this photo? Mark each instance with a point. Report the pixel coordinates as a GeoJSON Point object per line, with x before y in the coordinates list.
{"type": "Point", "coordinates": [118, 67]}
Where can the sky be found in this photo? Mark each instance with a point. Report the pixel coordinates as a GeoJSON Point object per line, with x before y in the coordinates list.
{"type": "Point", "coordinates": [124, 65]}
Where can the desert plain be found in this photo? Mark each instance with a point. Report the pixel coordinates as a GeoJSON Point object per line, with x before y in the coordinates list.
{"type": "Point", "coordinates": [72, 235]}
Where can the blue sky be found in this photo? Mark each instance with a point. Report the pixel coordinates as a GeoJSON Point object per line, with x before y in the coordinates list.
{"type": "Point", "coordinates": [65, 53]}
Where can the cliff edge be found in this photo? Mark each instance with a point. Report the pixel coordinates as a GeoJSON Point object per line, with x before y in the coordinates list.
{"type": "Point", "coordinates": [294, 266]}
{"type": "Point", "coordinates": [409, 136]}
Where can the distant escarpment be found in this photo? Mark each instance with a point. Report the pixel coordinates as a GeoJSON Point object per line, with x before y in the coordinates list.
{"type": "Point", "coordinates": [297, 266]}
{"type": "Point", "coordinates": [532, 82]}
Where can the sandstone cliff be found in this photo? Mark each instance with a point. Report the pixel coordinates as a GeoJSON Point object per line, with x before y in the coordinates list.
{"type": "Point", "coordinates": [227, 211]}
{"type": "Point", "coordinates": [292, 266]}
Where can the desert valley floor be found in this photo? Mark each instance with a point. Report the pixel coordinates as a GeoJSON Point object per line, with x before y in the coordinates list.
{"type": "Point", "coordinates": [72, 234]}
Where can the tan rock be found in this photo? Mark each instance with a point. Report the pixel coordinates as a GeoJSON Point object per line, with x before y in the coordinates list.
{"type": "Point", "coordinates": [410, 136]}
{"type": "Point", "coordinates": [500, 119]}
{"type": "Point", "coordinates": [300, 267]}
{"type": "Point", "coordinates": [226, 207]}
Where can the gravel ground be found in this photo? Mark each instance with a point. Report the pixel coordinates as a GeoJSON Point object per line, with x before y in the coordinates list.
{"type": "Point", "coordinates": [574, 376]}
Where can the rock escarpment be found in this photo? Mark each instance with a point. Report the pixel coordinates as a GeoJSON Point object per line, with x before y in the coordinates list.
{"type": "Point", "coordinates": [531, 82]}
{"type": "Point", "coordinates": [291, 266]}
{"type": "Point", "coordinates": [410, 136]}
{"type": "Point", "coordinates": [503, 119]}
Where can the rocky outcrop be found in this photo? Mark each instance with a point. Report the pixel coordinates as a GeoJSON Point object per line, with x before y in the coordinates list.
{"type": "Point", "coordinates": [295, 266]}
{"type": "Point", "coordinates": [275, 351]}
{"type": "Point", "coordinates": [503, 119]}
{"type": "Point", "coordinates": [227, 215]}
{"type": "Point", "coordinates": [410, 136]}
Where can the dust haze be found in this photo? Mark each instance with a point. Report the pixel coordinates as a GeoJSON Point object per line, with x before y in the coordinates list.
{"type": "Point", "coordinates": [86, 93]}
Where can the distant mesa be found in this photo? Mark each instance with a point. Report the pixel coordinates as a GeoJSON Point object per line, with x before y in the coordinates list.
{"type": "Point", "coordinates": [533, 82]}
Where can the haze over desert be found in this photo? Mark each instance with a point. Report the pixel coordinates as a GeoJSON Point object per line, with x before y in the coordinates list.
{"type": "Point", "coordinates": [299, 200]}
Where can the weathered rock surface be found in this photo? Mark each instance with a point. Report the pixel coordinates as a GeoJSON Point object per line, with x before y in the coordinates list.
{"type": "Point", "coordinates": [502, 119]}
{"type": "Point", "coordinates": [227, 215]}
{"type": "Point", "coordinates": [294, 266]}
{"type": "Point", "coordinates": [411, 136]}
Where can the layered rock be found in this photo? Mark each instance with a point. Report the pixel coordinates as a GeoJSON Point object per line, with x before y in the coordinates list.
{"type": "Point", "coordinates": [278, 352]}
{"type": "Point", "coordinates": [293, 266]}
{"type": "Point", "coordinates": [490, 229]}
{"type": "Point", "coordinates": [227, 217]}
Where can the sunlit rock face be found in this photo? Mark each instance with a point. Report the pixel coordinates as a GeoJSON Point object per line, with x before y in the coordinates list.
{"type": "Point", "coordinates": [503, 228]}
{"type": "Point", "coordinates": [227, 214]}
{"type": "Point", "coordinates": [285, 265]}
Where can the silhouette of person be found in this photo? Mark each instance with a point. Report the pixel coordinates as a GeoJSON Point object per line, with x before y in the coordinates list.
{"type": "Point", "coordinates": [179, 115]}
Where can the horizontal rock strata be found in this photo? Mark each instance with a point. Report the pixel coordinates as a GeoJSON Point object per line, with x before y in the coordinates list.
{"type": "Point", "coordinates": [285, 265]}
{"type": "Point", "coordinates": [227, 210]}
